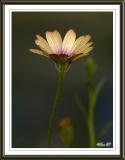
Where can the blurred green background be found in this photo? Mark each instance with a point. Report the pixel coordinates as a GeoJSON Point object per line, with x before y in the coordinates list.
{"type": "Point", "coordinates": [34, 77]}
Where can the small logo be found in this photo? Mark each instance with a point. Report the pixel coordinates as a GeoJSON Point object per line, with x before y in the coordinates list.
{"type": "Point", "coordinates": [102, 144]}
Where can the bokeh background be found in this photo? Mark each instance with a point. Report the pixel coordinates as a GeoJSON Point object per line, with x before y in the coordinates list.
{"type": "Point", "coordinates": [34, 77]}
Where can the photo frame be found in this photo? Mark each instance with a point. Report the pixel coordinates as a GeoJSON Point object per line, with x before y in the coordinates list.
{"type": "Point", "coordinates": [19, 109]}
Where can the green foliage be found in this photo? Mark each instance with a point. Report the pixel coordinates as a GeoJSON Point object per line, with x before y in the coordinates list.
{"type": "Point", "coordinates": [81, 106]}
{"type": "Point", "coordinates": [67, 136]}
{"type": "Point", "coordinates": [66, 133]}
{"type": "Point", "coordinates": [90, 67]}
{"type": "Point", "coordinates": [93, 95]}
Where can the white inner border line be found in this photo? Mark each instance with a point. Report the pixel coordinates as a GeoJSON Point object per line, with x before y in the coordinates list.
{"type": "Point", "coordinates": [116, 78]}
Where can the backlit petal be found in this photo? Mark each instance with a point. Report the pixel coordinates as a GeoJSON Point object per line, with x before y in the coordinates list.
{"type": "Point", "coordinates": [55, 41]}
{"type": "Point", "coordinates": [87, 50]}
{"type": "Point", "coordinates": [68, 42]}
{"type": "Point", "coordinates": [80, 44]}
{"type": "Point", "coordinates": [78, 56]}
{"type": "Point", "coordinates": [87, 46]}
{"type": "Point", "coordinates": [42, 43]}
{"type": "Point", "coordinates": [36, 51]}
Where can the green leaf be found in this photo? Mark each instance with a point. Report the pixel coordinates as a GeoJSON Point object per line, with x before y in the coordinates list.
{"type": "Point", "coordinates": [90, 68]}
{"type": "Point", "coordinates": [94, 97]}
{"type": "Point", "coordinates": [81, 107]}
{"type": "Point", "coordinates": [67, 136]}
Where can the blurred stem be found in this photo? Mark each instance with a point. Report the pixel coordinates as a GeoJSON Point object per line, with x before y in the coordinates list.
{"type": "Point", "coordinates": [93, 95]}
{"type": "Point", "coordinates": [91, 125]}
{"type": "Point", "coordinates": [55, 104]}
{"type": "Point", "coordinates": [81, 107]}
{"type": "Point", "coordinates": [91, 131]}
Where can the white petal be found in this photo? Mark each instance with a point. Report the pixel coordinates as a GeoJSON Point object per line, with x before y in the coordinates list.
{"type": "Point", "coordinates": [38, 52]}
{"type": "Point", "coordinates": [87, 50]}
{"type": "Point", "coordinates": [42, 43]}
{"type": "Point", "coordinates": [68, 42]}
{"type": "Point", "coordinates": [80, 43]}
{"type": "Point", "coordinates": [55, 41]}
{"type": "Point", "coordinates": [78, 56]}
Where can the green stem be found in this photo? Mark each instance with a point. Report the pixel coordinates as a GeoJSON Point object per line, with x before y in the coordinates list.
{"type": "Point", "coordinates": [55, 104]}
{"type": "Point", "coordinates": [91, 131]}
{"type": "Point", "coordinates": [91, 125]}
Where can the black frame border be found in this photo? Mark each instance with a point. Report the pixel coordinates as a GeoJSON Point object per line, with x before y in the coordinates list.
{"type": "Point", "coordinates": [122, 79]}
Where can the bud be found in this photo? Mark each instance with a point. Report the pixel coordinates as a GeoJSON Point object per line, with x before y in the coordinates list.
{"type": "Point", "coordinates": [66, 132]}
{"type": "Point", "coordinates": [90, 67]}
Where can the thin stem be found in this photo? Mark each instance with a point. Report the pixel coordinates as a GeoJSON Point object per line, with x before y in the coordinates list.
{"type": "Point", "coordinates": [81, 106]}
{"type": "Point", "coordinates": [55, 104]}
{"type": "Point", "coordinates": [91, 131]}
{"type": "Point", "coordinates": [91, 125]}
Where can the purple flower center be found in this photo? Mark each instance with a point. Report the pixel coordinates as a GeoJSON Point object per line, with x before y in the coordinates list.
{"type": "Point", "coordinates": [67, 52]}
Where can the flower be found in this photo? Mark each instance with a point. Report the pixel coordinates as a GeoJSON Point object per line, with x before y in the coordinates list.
{"type": "Point", "coordinates": [63, 52]}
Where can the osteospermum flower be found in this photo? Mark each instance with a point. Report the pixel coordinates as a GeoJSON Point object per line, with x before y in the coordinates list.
{"type": "Point", "coordinates": [63, 52]}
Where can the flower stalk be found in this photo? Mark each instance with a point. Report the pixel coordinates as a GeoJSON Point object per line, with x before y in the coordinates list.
{"type": "Point", "coordinates": [63, 51]}
{"type": "Point", "coordinates": [55, 104]}
{"type": "Point", "coordinates": [91, 125]}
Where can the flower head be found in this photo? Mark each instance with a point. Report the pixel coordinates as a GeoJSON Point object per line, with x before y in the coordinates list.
{"type": "Point", "coordinates": [63, 52]}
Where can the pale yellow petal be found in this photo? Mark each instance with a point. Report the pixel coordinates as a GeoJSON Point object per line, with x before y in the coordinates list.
{"type": "Point", "coordinates": [88, 45]}
{"type": "Point", "coordinates": [87, 50]}
{"type": "Point", "coordinates": [68, 41]}
{"type": "Point", "coordinates": [36, 51]}
{"type": "Point", "coordinates": [55, 41]}
{"type": "Point", "coordinates": [42, 43]}
{"type": "Point", "coordinates": [80, 44]}
{"type": "Point", "coordinates": [78, 56]}
{"type": "Point", "coordinates": [58, 40]}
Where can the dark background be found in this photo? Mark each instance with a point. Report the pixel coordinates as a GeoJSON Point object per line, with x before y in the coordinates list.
{"type": "Point", "coordinates": [34, 77]}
